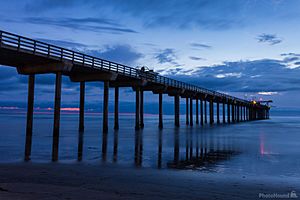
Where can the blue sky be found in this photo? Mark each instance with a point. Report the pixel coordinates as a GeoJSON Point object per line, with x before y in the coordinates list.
{"type": "Point", "coordinates": [244, 48]}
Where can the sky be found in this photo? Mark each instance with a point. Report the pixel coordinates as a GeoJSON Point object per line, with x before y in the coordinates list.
{"type": "Point", "coordinates": [249, 48]}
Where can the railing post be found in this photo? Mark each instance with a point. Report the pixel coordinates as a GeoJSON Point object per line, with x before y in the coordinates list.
{"type": "Point", "coordinates": [1, 35]}
{"type": "Point", "coordinates": [93, 62]}
{"type": "Point", "coordinates": [48, 53]}
{"type": "Point", "coordinates": [34, 47]}
{"type": "Point", "coordinates": [61, 54]}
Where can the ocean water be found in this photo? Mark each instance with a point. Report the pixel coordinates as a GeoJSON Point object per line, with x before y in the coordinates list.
{"type": "Point", "coordinates": [266, 147]}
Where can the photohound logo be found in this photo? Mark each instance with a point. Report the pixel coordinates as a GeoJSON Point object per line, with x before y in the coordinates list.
{"type": "Point", "coordinates": [290, 195]}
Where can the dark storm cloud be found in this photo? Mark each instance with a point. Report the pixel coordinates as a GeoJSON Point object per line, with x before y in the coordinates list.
{"type": "Point", "coordinates": [166, 56]}
{"type": "Point", "coordinates": [245, 76]}
{"type": "Point", "coordinates": [270, 39]}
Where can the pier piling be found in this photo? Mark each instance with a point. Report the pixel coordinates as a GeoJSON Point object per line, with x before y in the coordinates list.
{"type": "Point", "coordinates": [218, 112]}
{"type": "Point", "coordinates": [29, 124]}
{"type": "Point", "coordinates": [177, 112]}
{"type": "Point", "coordinates": [81, 106]}
{"type": "Point", "coordinates": [205, 111]}
{"type": "Point", "coordinates": [223, 112]}
{"type": "Point", "coordinates": [137, 108]}
{"type": "Point", "coordinates": [211, 111]}
{"type": "Point", "coordinates": [187, 111]}
{"type": "Point", "coordinates": [191, 111]}
{"type": "Point", "coordinates": [57, 105]}
{"type": "Point", "coordinates": [105, 106]}
{"type": "Point", "coordinates": [201, 111]}
{"type": "Point", "coordinates": [160, 110]}
{"type": "Point", "coordinates": [142, 109]}
{"type": "Point", "coordinates": [228, 112]}
{"type": "Point", "coordinates": [197, 111]}
{"type": "Point", "coordinates": [116, 116]}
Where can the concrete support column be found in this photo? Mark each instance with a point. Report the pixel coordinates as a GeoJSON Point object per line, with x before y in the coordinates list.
{"type": "Point", "coordinates": [29, 124]}
{"type": "Point", "coordinates": [116, 116]}
{"type": "Point", "coordinates": [197, 111]}
{"type": "Point", "coordinates": [142, 108]}
{"type": "Point", "coordinates": [201, 111]}
{"type": "Point", "coordinates": [56, 116]}
{"type": "Point", "coordinates": [233, 112]}
{"type": "Point", "coordinates": [191, 111]}
{"type": "Point", "coordinates": [137, 108]}
{"type": "Point", "coordinates": [205, 111]}
{"type": "Point", "coordinates": [211, 112]}
{"type": "Point", "coordinates": [177, 112]}
{"type": "Point", "coordinates": [250, 113]}
{"type": "Point", "coordinates": [228, 112]}
{"type": "Point", "coordinates": [238, 113]}
{"type": "Point", "coordinates": [218, 112]}
{"type": "Point", "coordinates": [223, 110]}
{"type": "Point", "coordinates": [160, 110]}
{"type": "Point", "coordinates": [247, 113]}
{"type": "Point", "coordinates": [187, 111]}
{"type": "Point", "coordinates": [81, 106]}
{"type": "Point", "coordinates": [105, 106]}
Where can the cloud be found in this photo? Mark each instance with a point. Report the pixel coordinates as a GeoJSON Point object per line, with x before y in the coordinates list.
{"type": "Point", "coordinates": [199, 14]}
{"type": "Point", "coordinates": [270, 39]}
{"type": "Point", "coordinates": [64, 43]}
{"type": "Point", "coordinates": [267, 93]}
{"type": "Point", "coordinates": [265, 75]}
{"type": "Point", "coordinates": [200, 46]}
{"type": "Point", "coordinates": [166, 56]}
{"type": "Point", "coordinates": [99, 25]}
{"type": "Point", "coordinates": [196, 58]}
{"type": "Point", "coordinates": [124, 54]}
{"type": "Point", "coordinates": [292, 60]}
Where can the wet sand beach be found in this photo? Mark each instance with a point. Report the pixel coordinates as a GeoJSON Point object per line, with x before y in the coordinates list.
{"type": "Point", "coordinates": [80, 181]}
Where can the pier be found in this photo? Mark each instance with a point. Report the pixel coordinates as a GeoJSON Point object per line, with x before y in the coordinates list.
{"type": "Point", "coordinates": [31, 57]}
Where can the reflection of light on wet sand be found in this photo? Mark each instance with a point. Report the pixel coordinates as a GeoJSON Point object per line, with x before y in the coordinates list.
{"type": "Point", "coordinates": [262, 146]}
{"type": "Point", "coordinates": [9, 108]}
{"type": "Point", "coordinates": [69, 109]}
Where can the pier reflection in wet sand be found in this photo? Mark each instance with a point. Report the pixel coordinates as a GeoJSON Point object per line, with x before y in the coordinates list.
{"type": "Point", "coordinates": [193, 148]}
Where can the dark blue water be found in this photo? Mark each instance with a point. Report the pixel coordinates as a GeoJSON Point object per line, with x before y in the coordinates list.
{"type": "Point", "coordinates": [260, 148]}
